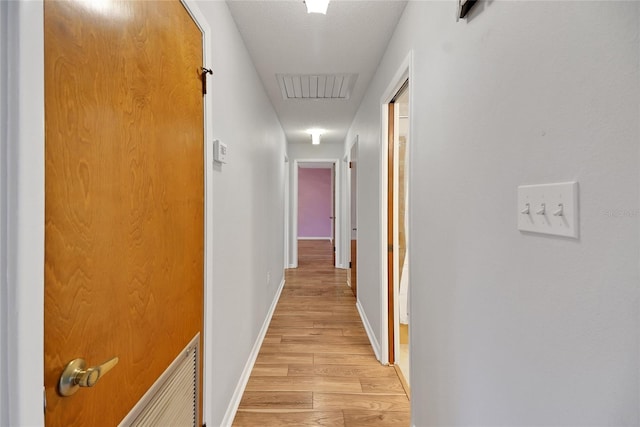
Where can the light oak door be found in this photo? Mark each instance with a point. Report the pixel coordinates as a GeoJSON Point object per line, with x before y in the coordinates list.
{"type": "Point", "coordinates": [124, 198]}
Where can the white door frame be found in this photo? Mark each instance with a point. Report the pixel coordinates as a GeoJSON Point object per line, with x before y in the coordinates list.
{"type": "Point", "coordinates": [23, 202]}
{"type": "Point", "coordinates": [287, 185]}
{"type": "Point", "coordinates": [4, 111]}
{"type": "Point", "coordinates": [337, 203]}
{"type": "Point", "coordinates": [22, 339]}
{"type": "Point", "coordinates": [346, 204]}
{"type": "Point", "coordinates": [346, 212]}
{"type": "Point", "coordinates": [404, 72]}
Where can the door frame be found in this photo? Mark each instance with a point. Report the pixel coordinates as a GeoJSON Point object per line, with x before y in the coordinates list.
{"type": "Point", "coordinates": [347, 225]}
{"type": "Point", "coordinates": [404, 72]}
{"type": "Point", "coordinates": [336, 203]}
{"type": "Point", "coordinates": [346, 205]}
{"type": "Point", "coordinates": [287, 184]}
{"type": "Point", "coordinates": [4, 111]}
{"type": "Point", "coordinates": [22, 208]}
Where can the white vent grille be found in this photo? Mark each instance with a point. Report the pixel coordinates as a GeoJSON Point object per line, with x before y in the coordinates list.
{"type": "Point", "coordinates": [316, 86]}
{"type": "Point", "coordinates": [173, 399]}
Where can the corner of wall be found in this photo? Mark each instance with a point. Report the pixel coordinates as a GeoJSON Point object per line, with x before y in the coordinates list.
{"type": "Point", "coordinates": [232, 409]}
{"type": "Point", "coordinates": [369, 330]}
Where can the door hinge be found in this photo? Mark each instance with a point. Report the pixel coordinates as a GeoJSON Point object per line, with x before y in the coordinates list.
{"type": "Point", "coordinates": [350, 165]}
{"type": "Point", "coordinates": [349, 264]}
{"type": "Point", "coordinates": [44, 399]}
{"type": "Point", "coordinates": [205, 71]}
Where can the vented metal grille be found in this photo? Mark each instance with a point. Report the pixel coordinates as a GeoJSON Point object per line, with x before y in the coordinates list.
{"type": "Point", "coordinates": [316, 86]}
{"type": "Point", "coordinates": [173, 399]}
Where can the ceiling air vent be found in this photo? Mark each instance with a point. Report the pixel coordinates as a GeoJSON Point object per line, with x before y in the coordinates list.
{"type": "Point", "coordinates": [316, 86]}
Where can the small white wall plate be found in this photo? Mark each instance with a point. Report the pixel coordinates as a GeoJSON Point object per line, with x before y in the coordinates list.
{"type": "Point", "coordinates": [549, 209]}
{"type": "Point", "coordinates": [219, 151]}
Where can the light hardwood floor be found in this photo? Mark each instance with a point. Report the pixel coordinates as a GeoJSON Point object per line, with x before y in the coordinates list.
{"type": "Point", "coordinates": [316, 366]}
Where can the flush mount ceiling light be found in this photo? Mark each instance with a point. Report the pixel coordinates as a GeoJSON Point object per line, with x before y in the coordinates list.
{"type": "Point", "coordinates": [317, 6]}
{"type": "Point", "coordinates": [315, 135]}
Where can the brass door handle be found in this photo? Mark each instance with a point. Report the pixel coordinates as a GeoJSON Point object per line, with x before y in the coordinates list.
{"type": "Point", "coordinates": [75, 375]}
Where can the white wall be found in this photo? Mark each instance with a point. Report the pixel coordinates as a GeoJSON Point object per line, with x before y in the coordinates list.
{"type": "Point", "coordinates": [4, 288]}
{"type": "Point", "coordinates": [248, 211]}
{"type": "Point", "coordinates": [309, 151]}
{"type": "Point", "coordinates": [510, 328]}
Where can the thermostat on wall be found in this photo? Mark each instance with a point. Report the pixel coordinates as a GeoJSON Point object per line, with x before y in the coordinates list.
{"type": "Point", "coordinates": [219, 152]}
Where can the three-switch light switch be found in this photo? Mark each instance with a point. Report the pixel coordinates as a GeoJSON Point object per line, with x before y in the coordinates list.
{"type": "Point", "coordinates": [549, 209]}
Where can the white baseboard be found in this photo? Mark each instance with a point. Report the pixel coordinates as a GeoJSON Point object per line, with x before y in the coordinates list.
{"type": "Point", "coordinates": [369, 330]}
{"type": "Point", "coordinates": [314, 238]}
{"type": "Point", "coordinates": [230, 414]}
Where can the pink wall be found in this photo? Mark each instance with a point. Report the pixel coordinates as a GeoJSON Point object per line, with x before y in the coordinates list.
{"type": "Point", "coordinates": [314, 202]}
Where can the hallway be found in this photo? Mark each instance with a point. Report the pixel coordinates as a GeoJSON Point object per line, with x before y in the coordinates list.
{"type": "Point", "coordinates": [509, 326]}
{"type": "Point", "coordinates": [316, 366]}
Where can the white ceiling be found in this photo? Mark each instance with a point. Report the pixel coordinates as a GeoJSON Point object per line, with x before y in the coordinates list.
{"type": "Point", "coordinates": [283, 39]}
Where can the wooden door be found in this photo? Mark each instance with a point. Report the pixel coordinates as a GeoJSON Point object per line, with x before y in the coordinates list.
{"type": "Point", "coordinates": [124, 198]}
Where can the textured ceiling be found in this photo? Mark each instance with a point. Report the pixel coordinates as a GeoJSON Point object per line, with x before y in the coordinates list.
{"type": "Point", "coordinates": [283, 39]}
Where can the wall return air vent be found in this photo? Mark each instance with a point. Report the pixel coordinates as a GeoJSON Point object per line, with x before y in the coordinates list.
{"type": "Point", "coordinates": [316, 86]}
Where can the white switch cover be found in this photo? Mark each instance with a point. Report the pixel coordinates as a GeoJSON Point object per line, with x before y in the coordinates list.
{"type": "Point", "coordinates": [549, 209]}
{"type": "Point", "coordinates": [219, 151]}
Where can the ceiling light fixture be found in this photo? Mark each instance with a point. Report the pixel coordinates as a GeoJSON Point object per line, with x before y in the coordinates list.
{"type": "Point", "coordinates": [315, 135]}
{"type": "Point", "coordinates": [317, 6]}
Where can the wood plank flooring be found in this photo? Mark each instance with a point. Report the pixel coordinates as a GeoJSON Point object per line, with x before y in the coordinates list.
{"type": "Point", "coordinates": [316, 366]}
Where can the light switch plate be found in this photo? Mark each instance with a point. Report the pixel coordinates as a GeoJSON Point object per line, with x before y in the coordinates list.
{"type": "Point", "coordinates": [219, 151]}
{"type": "Point", "coordinates": [560, 216]}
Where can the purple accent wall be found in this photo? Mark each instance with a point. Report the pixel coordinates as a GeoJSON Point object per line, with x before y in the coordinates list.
{"type": "Point", "coordinates": [314, 202]}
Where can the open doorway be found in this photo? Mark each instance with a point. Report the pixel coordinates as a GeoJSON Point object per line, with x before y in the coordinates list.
{"type": "Point", "coordinates": [315, 206]}
{"type": "Point", "coordinates": [397, 281]}
{"type": "Point", "coordinates": [315, 212]}
{"type": "Point", "coordinates": [400, 230]}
